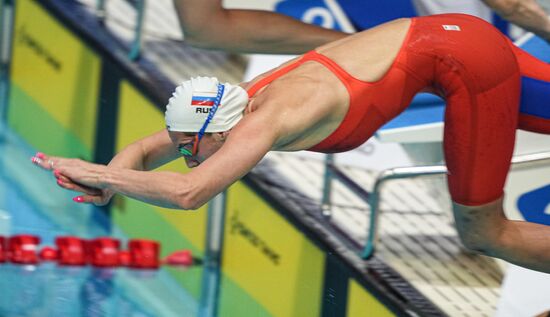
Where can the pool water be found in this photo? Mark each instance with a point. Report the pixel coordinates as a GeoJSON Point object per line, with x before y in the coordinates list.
{"type": "Point", "coordinates": [31, 203]}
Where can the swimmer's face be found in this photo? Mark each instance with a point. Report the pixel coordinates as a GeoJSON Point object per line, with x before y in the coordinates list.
{"type": "Point", "coordinates": [185, 143]}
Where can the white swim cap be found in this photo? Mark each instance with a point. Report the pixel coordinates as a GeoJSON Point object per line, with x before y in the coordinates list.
{"type": "Point", "coordinates": [191, 102]}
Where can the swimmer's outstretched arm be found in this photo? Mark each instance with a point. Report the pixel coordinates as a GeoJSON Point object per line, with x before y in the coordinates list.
{"type": "Point", "coordinates": [145, 154]}
{"type": "Point", "coordinates": [236, 157]}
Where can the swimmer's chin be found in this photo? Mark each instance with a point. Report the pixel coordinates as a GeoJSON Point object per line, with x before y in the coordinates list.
{"type": "Point", "coordinates": [192, 163]}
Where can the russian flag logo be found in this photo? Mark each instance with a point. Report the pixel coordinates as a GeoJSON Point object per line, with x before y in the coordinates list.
{"type": "Point", "coordinates": [203, 99]}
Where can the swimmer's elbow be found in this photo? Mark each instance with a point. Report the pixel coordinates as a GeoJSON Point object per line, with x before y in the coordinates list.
{"type": "Point", "coordinates": [198, 40]}
{"type": "Point", "coordinates": [187, 196]}
{"type": "Point", "coordinates": [206, 35]}
{"type": "Point", "coordinates": [187, 199]}
{"type": "Point", "coordinates": [209, 41]}
{"type": "Point", "coordinates": [186, 202]}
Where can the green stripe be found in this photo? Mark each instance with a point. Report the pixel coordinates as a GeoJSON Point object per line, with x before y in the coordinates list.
{"type": "Point", "coordinates": [35, 124]}
{"type": "Point", "coordinates": [140, 220]}
{"type": "Point", "coordinates": [234, 301]}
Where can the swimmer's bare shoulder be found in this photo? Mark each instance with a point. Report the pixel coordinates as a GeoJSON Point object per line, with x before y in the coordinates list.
{"type": "Point", "coordinates": [247, 85]}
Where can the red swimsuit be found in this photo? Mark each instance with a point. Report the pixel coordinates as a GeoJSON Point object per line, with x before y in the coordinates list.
{"type": "Point", "coordinates": [476, 69]}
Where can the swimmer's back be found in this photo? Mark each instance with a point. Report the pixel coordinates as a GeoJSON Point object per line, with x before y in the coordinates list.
{"type": "Point", "coordinates": [321, 103]}
{"type": "Point", "coordinates": [368, 55]}
{"type": "Point", "coordinates": [376, 48]}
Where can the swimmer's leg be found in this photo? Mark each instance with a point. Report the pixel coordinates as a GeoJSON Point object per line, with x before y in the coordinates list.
{"type": "Point", "coordinates": [485, 229]}
{"type": "Point", "coordinates": [479, 140]}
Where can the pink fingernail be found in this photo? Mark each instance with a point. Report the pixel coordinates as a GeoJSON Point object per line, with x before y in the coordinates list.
{"type": "Point", "coordinates": [56, 173]}
{"type": "Point", "coordinates": [59, 182]}
{"type": "Point", "coordinates": [78, 199]}
{"type": "Point", "coordinates": [40, 155]}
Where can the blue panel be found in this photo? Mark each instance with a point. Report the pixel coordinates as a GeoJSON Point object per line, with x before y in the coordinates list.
{"type": "Point", "coordinates": [425, 100]}
{"type": "Point", "coordinates": [501, 24]}
{"type": "Point", "coordinates": [538, 48]}
{"type": "Point", "coordinates": [535, 97]}
{"type": "Point", "coordinates": [533, 204]}
{"type": "Point", "coordinates": [362, 14]}
{"type": "Point", "coordinates": [366, 14]}
{"type": "Point", "coordinates": [309, 11]}
{"type": "Point", "coordinates": [424, 109]}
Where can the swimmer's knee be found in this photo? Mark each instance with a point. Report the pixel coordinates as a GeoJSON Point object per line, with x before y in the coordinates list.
{"type": "Point", "coordinates": [476, 242]}
{"type": "Point", "coordinates": [480, 227]}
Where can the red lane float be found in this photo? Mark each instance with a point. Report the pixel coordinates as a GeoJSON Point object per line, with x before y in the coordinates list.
{"type": "Point", "coordinates": [48, 254]}
{"type": "Point", "coordinates": [99, 252]}
{"type": "Point", "coordinates": [22, 249]}
{"type": "Point", "coordinates": [71, 251]}
{"type": "Point", "coordinates": [103, 252]}
{"type": "Point", "coordinates": [2, 249]}
{"type": "Point", "coordinates": [144, 254]}
{"type": "Point", "coordinates": [183, 257]}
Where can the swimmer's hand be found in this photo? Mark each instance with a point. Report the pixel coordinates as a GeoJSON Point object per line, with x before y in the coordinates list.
{"type": "Point", "coordinates": [92, 194]}
{"type": "Point", "coordinates": [100, 199]}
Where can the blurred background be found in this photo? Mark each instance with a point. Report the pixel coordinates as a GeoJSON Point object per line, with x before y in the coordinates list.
{"type": "Point", "coordinates": [365, 233]}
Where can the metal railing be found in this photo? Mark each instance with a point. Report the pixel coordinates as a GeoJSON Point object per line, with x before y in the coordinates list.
{"type": "Point", "coordinates": [139, 6]}
{"type": "Point", "coordinates": [6, 34]}
{"type": "Point", "coordinates": [6, 20]}
{"type": "Point", "coordinates": [374, 197]}
{"type": "Point", "coordinates": [327, 186]}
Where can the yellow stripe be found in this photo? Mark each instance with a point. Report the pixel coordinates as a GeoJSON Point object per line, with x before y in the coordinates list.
{"type": "Point", "coordinates": [362, 303]}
